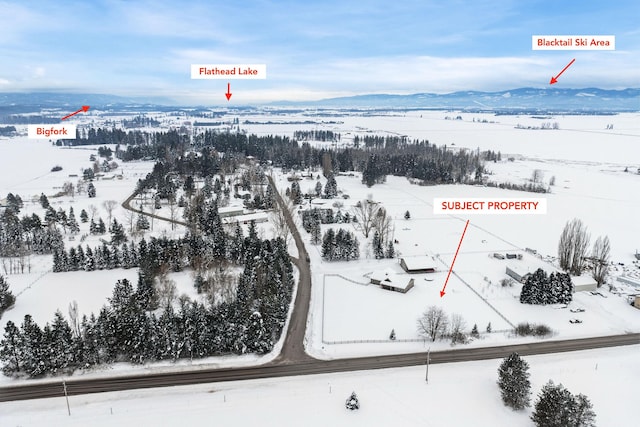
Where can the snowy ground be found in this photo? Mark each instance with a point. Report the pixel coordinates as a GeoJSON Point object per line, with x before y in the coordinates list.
{"type": "Point", "coordinates": [335, 298]}
{"type": "Point", "coordinates": [586, 160]}
{"type": "Point", "coordinates": [458, 394]}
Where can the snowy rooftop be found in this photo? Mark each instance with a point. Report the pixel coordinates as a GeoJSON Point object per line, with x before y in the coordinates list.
{"type": "Point", "coordinates": [419, 262]}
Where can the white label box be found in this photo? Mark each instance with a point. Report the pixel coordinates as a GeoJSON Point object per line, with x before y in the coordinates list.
{"type": "Point", "coordinates": [228, 71]}
{"type": "Point", "coordinates": [490, 206]}
{"type": "Point", "coordinates": [52, 131]}
{"type": "Point", "coordinates": [566, 42]}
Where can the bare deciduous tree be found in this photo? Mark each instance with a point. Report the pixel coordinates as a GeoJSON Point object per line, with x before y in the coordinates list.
{"type": "Point", "coordinates": [166, 289]}
{"type": "Point", "coordinates": [382, 223]}
{"type": "Point", "coordinates": [109, 206]}
{"type": "Point", "coordinates": [74, 318]}
{"type": "Point", "coordinates": [573, 245]}
{"type": "Point", "coordinates": [433, 323]}
{"type": "Point", "coordinates": [600, 258]}
{"type": "Point", "coordinates": [365, 212]}
{"type": "Point", "coordinates": [279, 218]}
{"type": "Point", "coordinates": [457, 329]}
{"type": "Point", "coordinates": [536, 176]}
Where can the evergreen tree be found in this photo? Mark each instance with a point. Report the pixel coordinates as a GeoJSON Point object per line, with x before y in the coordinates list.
{"type": "Point", "coordinates": [6, 297]}
{"type": "Point", "coordinates": [34, 348]}
{"type": "Point", "coordinates": [315, 231]}
{"type": "Point", "coordinates": [44, 201]}
{"type": "Point", "coordinates": [378, 252]}
{"type": "Point", "coordinates": [331, 187]}
{"type": "Point", "coordinates": [118, 236]}
{"type": "Point", "coordinates": [318, 189]}
{"type": "Point", "coordinates": [91, 190]}
{"type": "Point", "coordinates": [84, 216]}
{"type": "Point", "coordinates": [391, 251]}
{"type": "Point", "coordinates": [513, 381]}
{"type": "Point", "coordinates": [489, 327]}
{"type": "Point", "coordinates": [11, 349]}
{"type": "Point", "coordinates": [90, 262]}
{"type": "Point", "coordinates": [555, 407]}
{"type": "Point", "coordinates": [474, 331]}
{"type": "Point", "coordinates": [583, 414]}
{"type": "Point", "coordinates": [407, 215]}
{"type": "Point", "coordinates": [142, 223]}
{"type": "Point", "coordinates": [352, 402]}
{"type": "Point", "coordinates": [101, 228]}
{"type": "Point", "coordinates": [60, 342]}
{"type": "Point", "coordinates": [329, 245]}
{"type": "Point", "coordinates": [72, 223]}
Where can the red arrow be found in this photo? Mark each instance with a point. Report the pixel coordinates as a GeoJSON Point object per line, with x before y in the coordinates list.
{"type": "Point", "coordinates": [84, 108]}
{"type": "Point", "coordinates": [555, 79]}
{"type": "Point", "coordinates": [454, 260]}
{"type": "Point", "coordinates": [228, 94]}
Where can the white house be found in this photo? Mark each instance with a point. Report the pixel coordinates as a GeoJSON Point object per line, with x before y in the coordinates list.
{"type": "Point", "coordinates": [392, 282]}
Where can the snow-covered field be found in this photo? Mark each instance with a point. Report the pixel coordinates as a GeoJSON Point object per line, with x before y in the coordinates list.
{"type": "Point", "coordinates": [457, 394]}
{"type": "Point", "coordinates": [586, 160]}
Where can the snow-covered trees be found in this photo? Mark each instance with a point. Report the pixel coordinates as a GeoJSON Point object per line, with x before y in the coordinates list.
{"type": "Point", "coordinates": [557, 407]}
{"type": "Point", "coordinates": [340, 246]}
{"type": "Point", "coordinates": [352, 402]}
{"type": "Point", "coordinates": [539, 288]}
{"type": "Point", "coordinates": [331, 187]}
{"type": "Point", "coordinates": [573, 245]}
{"type": "Point", "coordinates": [249, 318]}
{"type": "Point", "coordinates": [91, 190]}
{"type": "Point", "coordinates": [6, 297]}
{"type": "Point", "coordinates": [117, 233]}
{"type": "Point", "coordinates": [513, 380]}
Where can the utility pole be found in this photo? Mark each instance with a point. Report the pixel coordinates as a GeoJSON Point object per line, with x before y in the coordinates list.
{"type": "Point", "coordinates": [428, 360]}
{"type": "Point", "coordinates": [66, 396]}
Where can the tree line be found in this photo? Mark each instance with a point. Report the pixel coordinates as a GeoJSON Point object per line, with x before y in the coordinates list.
{"type": "Point", "coordinates": [129, 327]}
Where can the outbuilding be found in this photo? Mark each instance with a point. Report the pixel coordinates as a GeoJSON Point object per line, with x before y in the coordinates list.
{"type": "Point", "coordinates": [584, 283]}
{"type": "Point", "coordinates": [418, 264]}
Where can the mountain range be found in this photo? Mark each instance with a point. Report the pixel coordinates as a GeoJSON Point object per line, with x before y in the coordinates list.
{"type": "Point", "coordinates": [547, 99]}
{"type": "Point", "coordinates": [550, 99]}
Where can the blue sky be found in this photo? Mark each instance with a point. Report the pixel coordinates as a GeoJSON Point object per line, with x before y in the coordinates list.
{"type": "Point", "coordinates": [312, 49]}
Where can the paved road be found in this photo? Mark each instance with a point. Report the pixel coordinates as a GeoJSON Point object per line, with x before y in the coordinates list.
{"type": "Point", "coordinates": [293, 346]}
{"type": "Point", "coordinates": [307, 367]}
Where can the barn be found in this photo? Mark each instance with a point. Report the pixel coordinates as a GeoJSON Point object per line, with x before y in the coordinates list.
{"type": "Point", "coordinates": [418, 264]}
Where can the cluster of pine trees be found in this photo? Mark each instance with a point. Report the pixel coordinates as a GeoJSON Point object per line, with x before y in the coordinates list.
{"type": "Point", "coordinates": [556, 406]}
{"type": "Point", "coordinates": [340, 246]}
{"type": "Point", "coordinates": [129, 327]}
{"type": "Point", "coordinates": [25, 235]}
{"type": "Point", "coordinates": [540, 288]}
{"type": "Point", "coordinates": [381, 156]}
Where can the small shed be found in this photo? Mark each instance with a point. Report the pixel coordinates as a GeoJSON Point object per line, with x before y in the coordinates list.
{"type": "Point", "coordinates": [636, 303]}
{"type": "Point", "coordinates": [584, 283]}
{"type": "Point", "coordinates": [418, 264]}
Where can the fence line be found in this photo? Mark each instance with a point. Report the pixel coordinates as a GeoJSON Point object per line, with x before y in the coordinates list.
{"type": "Point", "coordinates": [32, 283]}
{"type": "Point", "coordinates": [398, 340]}
{"type": "Point", "coordinates": [478, 294]}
